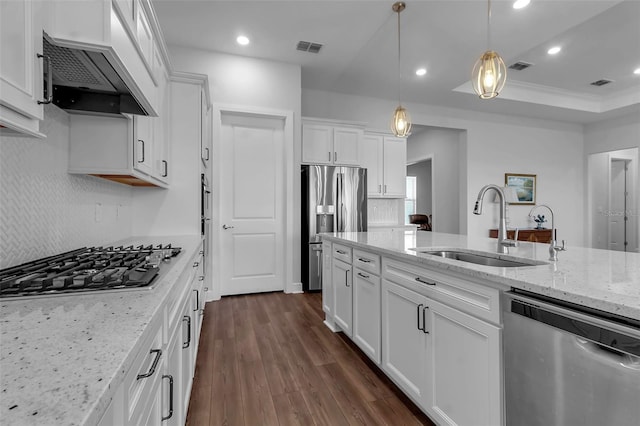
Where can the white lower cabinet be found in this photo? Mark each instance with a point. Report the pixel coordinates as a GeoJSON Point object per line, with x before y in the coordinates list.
{"type": "Point", "coordinates": [341, 278]}
{"type": "Point", "coordinates": [404, 343]}
{"type": "Point", "coordinates": [327, 285]}
{"type": "Point", "coordinates": [436, 335]}
{"type": "Point", "coordinates": [463, 368]}
{"type": "Point", "coordinates": [366, 303]}
{"type": "Point", "coordinates": [157, 387]}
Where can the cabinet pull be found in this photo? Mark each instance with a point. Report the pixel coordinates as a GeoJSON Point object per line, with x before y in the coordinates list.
{"type": "Point", "coordinates": [166, 168]}
{"type": "Point", "coordinates": [346, 278]}
{"type": "Point", "coordinates": [154, 365]}
{"type": "Point", "coordinates": [141, 161]}
{"type": "Point", "coordinates": [420, 280]}
{"type": "Point", "coordinates": [360, 274]}
{"type": "Point", "coordinates": [341, 252]}
{"type": "Point", "coordinates": [335, 156]}
{"type": "Point", "coordinates": [385, 188]}
{"type": "Point", "coordinates": [170, 377]}
{"type": "Point", "coordinates": [207, 157]}
{"type": "Point", "coordinates": [362, 259]}
{"type": "Point", "coordinates": [197, 300]}
{"type": "Point", "coordinates": [200, 278]}
{"type": "Point", "coordinates": [424, 320]}
{"type": "Point", "coordinates": [46, 62]}
{"type": "Point", "coordinates": [186, 344]}
{"type": "Point", "coordinates": [196, 264]}
{"type": "Point", "coordinates": [329, 156]}
{"type": "Point", "coordinates": [379, 189]}
{"type": "Point", "coordinates": [418, 316]}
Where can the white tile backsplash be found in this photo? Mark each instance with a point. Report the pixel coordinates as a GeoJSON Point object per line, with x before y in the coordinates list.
{"type": "Point", "coordinates": [43, 209]}
{"type": "Point", "coordinates": [382, 211]}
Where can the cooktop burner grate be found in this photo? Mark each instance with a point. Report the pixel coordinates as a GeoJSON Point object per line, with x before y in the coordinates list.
{"type": "Point", "coordinates": [87, 269]}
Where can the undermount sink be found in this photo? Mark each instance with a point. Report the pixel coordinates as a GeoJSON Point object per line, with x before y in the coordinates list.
{"type": "Point", "coordinates": [480, 259]}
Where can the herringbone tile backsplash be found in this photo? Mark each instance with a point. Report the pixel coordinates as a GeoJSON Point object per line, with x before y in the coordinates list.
{"type": "Point", "coordinates": [43, 209]}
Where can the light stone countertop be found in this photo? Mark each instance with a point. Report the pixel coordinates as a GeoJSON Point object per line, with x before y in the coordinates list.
{"type": "Point", "coordinates": [62, 357]}
{"type": "Point", "coordinates": [601, 279]}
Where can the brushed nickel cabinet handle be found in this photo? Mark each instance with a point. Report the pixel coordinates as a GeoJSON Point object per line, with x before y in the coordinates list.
{"type": "Point", "coordinates": [186, 344]}
{"type": "Point", "coordinates": [420, 280]}
{"type": "Point", "coordinates": [154, 365]}
{"type": "Point", "coordinates": [46, 62]}
{"type": "Point", "coordinates": [170, 377]}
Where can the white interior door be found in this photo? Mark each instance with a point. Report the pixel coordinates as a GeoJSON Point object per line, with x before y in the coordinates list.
{"type": "Point", "coordinates": [252, 203]}
{"type": "Point", "coordinates": [618, 209]}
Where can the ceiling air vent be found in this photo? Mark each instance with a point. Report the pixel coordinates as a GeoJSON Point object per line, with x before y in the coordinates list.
{"type": "Point", "coordinates": [520, 65]}
{"type": "Point", "coordinates": [601, 82]}
{"type": "Point", "coordinates": [307, 46]}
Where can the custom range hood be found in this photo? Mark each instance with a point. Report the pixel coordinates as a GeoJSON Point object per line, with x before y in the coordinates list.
{"type": "Point", "coordinates": [85, 82]}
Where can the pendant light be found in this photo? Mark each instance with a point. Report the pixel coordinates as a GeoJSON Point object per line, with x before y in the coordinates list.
{"type": "Point", "coordinates": [401, 121]}
{"type": "Point", "coordinates": [489, 73]}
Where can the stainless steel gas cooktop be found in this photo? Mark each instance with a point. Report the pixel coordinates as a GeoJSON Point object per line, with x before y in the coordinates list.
{"type": "Point", "coordinates": [87, 269]}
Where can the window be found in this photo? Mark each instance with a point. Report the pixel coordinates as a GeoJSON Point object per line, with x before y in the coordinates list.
{"type": "Point", "coordinates": [410, 199]}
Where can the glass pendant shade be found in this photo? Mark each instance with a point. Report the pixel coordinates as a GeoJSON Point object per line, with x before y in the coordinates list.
{"type": "Point", "coordinates": [401, 122]}
{"type": "Point", "coordinates": [489, 75]}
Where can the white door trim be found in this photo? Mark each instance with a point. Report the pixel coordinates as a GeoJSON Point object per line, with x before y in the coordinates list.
{"type": "Point", "coordinates": [218, 110]}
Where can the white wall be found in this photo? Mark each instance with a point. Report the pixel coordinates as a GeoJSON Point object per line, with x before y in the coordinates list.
{"type": "Point", "coordinates": [253, 83]}
{"type": "Point", "coordinates": [46, 211]}
{"type": "Point", "coordinates": [443, 146]}
{"type": "Point", "coordinates": [495, 145]}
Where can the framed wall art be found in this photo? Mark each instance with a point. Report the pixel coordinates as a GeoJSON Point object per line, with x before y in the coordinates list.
{"type": "Point", "coordinates": [525, 186]}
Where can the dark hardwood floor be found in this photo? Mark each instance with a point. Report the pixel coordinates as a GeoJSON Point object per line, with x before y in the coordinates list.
{"type": "Point", "coordinates": [267, 359]}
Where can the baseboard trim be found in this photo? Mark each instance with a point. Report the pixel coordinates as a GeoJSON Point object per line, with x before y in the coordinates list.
{"type": "Point", "coordinates": [295, 288]}
{"type": "Point", "coordinates": [331, 325]}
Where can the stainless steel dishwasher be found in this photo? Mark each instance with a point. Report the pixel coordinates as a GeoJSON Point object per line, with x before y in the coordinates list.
{"type": "Point", "coordinates": [568, 366]}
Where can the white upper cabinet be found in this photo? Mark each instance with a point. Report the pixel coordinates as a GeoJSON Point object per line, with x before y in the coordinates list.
{"type": "Point", "coordinates": [385, 158]}
{"type": "Point", "coordinates": [331, 143]}
{"type": "Point", "coordinates": [21, 67]}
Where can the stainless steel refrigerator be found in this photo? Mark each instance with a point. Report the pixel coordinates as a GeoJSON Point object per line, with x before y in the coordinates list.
{"type": "Point", "coordinates": [334, 199]}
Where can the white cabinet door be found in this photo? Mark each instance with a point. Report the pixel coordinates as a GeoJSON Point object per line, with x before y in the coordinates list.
{"type": "Point", "coordinates": [395, 167]}
{"type": "Point", "coordinates": [341, 278]}
{"type": "Point", "coordinates": [327, 285]}
{"type": "Point", "coordinates": [366, 313]}
{"type": "Point", "coordinates": [404, 344]}
{"type": "Point", "coordinates": [371, 158]}
{"type": "Point", "coordinates": [143, 144]}
{"type": "Point", "coordinates": [145, 35]}
{"type": "Point", "coordinates": [463, 368]}
{"type": "Point", "coordinates": [21, 70]}
{"type": "Point", "coordinates": [317, 144]}
{"type": "Point", "coordinates": [188, 352]}
{"type": "Point", "coordinates": [345, 146]}
{"type": "Point", "coordinates": [173, 410]}
{"type": "Point", "coordinates": [205, 130]}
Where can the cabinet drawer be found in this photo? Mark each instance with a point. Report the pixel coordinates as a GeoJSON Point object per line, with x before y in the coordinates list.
{"type": "Point", "coordinates": [144, 373]}
{"type": "Point", "coordinates": [342, 252]}
{"type": "Point", "coordinates": [468, 296]}
{"type": "Point", "coordinates": [366, 261]}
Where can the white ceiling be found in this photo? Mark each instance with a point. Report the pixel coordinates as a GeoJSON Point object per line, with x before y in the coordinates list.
{"type": "Point", "coordinates": [599, 39]}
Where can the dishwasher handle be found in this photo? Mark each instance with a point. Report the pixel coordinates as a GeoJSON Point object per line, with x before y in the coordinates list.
{"type": "Point", "coordinates": [610, 335]}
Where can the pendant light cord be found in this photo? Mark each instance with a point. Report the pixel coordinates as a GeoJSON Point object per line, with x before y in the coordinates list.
{"type": "Point", "coordinates": [399, 56]}
{"type": "Point", "coordinates": [488, 24]}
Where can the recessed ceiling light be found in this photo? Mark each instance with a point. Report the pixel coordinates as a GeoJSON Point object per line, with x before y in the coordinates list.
{"type": "Point", "coordinates": [519, 4]}
{"type": "Point", "coordinates": [242, 40]}
{"type": "Point", "coordinates": [421, 71]}
{"type": "Point", "coordinates": [554, 50]}
{"type": "Point", "coordinates": [637, 71]}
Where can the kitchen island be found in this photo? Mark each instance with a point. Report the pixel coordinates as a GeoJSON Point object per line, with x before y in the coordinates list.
{"type": "Point", "coordinates": [434, 325]}
{"type": "Point", "coordinates": [63, 358]}
{"type": "Point", "coordinates": [601, 279]}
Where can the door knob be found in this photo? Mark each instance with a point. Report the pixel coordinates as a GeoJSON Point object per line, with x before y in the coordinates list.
{"type": "Point", "coordinates": [227, 227]}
